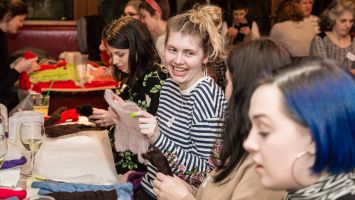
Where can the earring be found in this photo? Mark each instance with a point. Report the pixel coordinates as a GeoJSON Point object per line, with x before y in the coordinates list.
{"type": "Point", "coordinates": [162, 67]}
{"type": "Point", "coordinates": [298, 158]}
{"type": "Point", "coordinates": [205, 70]}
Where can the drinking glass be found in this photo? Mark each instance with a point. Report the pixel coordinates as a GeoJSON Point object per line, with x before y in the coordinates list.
{"type": "Point", "coordinates": [32, 134]}
{"type": "Point", "coordinates": [3, 148]}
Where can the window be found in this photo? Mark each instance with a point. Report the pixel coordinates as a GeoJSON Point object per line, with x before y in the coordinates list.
{"type": "Point", "coordinates": [50, 9]}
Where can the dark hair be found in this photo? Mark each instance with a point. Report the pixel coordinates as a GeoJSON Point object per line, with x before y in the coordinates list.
{"type": "Point", "coordinates": [318, 94]}
{"type": "Point", "coordinates": [129, 33]}
{"type": "Point", "coordinates": [14, 7]}
{"type": "Point", "coordinates": [240, 5]}
{"type": "Point", "coordinates": [164, 6]}
{"type": "Point", "coordinates": [333, 12]}
{"type": "Point", "coordinates": [289, 10]}
{"type": "Point", "coordinates": [248, 62]}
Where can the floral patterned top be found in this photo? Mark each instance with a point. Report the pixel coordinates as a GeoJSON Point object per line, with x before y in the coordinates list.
{"type": "Point", "coordinates": [146, 95]}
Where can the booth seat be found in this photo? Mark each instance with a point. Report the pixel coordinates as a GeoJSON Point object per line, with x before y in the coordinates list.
{"type": "Point", "coordinates": [53, 39]}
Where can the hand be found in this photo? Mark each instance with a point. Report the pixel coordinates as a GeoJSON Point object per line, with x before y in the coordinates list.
{"type": "Point", "coordinates": [232, 32]}
{"type": "Point", "coordinates": [245, 30]}
{"type": "Point", "coordinates": [123, 178]}
{"type": "Point", "coordinates": [25, 65]}
{"type": "Point", "coordinates": [102, 117]}
{"type": "Point", "coordinates": [170, 188]}
{"type": "Point", "coordinates": [148, 125]}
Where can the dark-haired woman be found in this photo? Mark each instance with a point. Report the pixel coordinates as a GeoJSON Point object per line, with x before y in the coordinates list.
{"type": "Point", "coordinates": [136, 64]}
{"type": "Point", "coordinates": [12, 16]}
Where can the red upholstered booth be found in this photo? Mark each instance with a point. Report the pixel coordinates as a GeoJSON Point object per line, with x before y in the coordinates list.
{"type": "Point", "coordinates": [53, 39]}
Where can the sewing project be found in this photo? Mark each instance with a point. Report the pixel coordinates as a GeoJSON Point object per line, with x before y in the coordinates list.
{"type": "Point", "coordinates": [127, 132]}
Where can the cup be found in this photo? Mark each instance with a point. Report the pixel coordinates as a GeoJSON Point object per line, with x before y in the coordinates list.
{"type": "Point", "coordinates": [41, 104]}
{"type": "Point", "coordinates": [80, 61]}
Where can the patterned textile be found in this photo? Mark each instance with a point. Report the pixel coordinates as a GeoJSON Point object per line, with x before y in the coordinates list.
{"type": "Point", "coordinates": [336, 187]}
{"type": "Point", "coordinates": [220, 69]}
{"type": "Point", "coordinates": [322, 46]}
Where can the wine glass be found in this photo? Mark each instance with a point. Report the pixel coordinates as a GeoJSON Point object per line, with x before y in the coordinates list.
{"type": "Point", "coordinates": [3, 148]}
{"type": "Point", "coordinates": [31, 134]}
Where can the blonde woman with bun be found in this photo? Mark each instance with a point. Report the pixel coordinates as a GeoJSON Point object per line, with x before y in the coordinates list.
{"type": "Point", "coordinates": [191, 105]}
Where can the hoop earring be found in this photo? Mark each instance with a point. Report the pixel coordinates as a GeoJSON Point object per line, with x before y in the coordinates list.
{"type": "Point", "coordinates": [298, 157]}
{"type": "Point", "coordinates": [162, 67]}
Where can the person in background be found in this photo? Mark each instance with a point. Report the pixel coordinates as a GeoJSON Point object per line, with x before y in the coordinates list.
{"type": "Point", "coordinates": [12, 15]}
{"type": "Point", "coordinates": [335, 41]}
{"type": "Point", "coordinates": [241, 29]}
{"type": "Point", "coordinates": [234, 177]}
{"type": "Point", "coordinates": [295, 34]}
{"type": "Point", "coordinates": [132, 9]}
{"type": "Point", "coordinates": [136, 64]}
{"type": "Point", "coordinates": [306, 8]}
{"type": "Point", "coordinates": [191, 105]}
{"type": "Point", "coordinates": [302, 137]}
{"type": "Point", "coordinates": [154, 15]}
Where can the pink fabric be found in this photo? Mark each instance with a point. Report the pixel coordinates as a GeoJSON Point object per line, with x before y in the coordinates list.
{"type": "Point", "coordinates": [127, 132]}
{"type": "Point", "coordinates": [154, 5]}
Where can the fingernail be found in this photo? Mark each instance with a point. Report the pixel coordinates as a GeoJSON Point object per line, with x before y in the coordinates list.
{"type": "Point", "coordinates": [133, 115]}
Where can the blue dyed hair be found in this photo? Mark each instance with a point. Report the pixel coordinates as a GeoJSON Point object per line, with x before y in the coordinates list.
{"type": "Point", "coordinates": [321, 96]}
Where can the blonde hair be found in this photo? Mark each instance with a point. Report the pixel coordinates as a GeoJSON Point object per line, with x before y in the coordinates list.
{"type": "Point", "coordinates": [201, 21]}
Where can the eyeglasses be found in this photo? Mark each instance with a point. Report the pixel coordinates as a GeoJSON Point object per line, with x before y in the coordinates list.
{"type": "Point", "coordinates": [131, 14]}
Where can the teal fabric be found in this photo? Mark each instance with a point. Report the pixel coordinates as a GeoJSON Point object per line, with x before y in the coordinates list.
{"type": "Point", "coordinates": [124, 191]}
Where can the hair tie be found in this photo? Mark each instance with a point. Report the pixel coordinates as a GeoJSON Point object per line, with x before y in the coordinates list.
{"type": "Point", "coordinates": [154, 5]}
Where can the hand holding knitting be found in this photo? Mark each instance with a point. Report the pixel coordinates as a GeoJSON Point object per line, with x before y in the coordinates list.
{"type": "Point", "coordinates": [102, 117]}
{"type": "Point", "coordinates": [148, 125]}
{"type": "Point", "coordinates": [170, 188]}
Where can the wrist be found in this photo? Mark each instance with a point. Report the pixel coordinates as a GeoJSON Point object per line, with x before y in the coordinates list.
{"type": "Point", "coordinates": [153, 138]}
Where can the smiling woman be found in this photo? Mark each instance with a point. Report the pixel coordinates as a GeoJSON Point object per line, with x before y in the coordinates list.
{"type": "Point", "coordinates": [191, 105]}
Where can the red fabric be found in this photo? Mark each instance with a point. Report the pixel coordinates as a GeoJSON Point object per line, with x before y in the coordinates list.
{"type": "Point", "coordinates": [7, 193]}
{"type": "Point", "coordinates": [105, 58]}
{"type": "Point", "coordinates": [37, 88]}
{"type": "Point", "coordinates": [60, 63]}
{"type": "Point", "coordinates": [71, 85]}
{"type": "Point", "coordinates": [29, 55]}
{"type": "Point", "coordinates": [68, 114]}
{"type": "Point", "coordinates": [46, 66]}
{"type": "Point", "coordinates": [24, 81]}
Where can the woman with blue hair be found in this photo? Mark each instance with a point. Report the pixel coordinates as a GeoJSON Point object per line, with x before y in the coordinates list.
{"type": "Point", "coordinates": [303, 132]}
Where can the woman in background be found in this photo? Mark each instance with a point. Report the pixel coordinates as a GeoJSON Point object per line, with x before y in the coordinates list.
{"type": "Point", "coordinates": [132, 9]}
{"type": "Point", "coordinates": [335, 40]}
{"type": "Point", "coordinates": [12, 15]}
{"type": "Point", "coordinates": [302, 137]}
{"type": "Point", "coordinates": [234, 177]}
{"type": "Point", "coordinates": [295, 34]}
{"type": "Point", "coordinates": [307, 7]}
{"type": "Point", "coordinates": [154, 15]}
